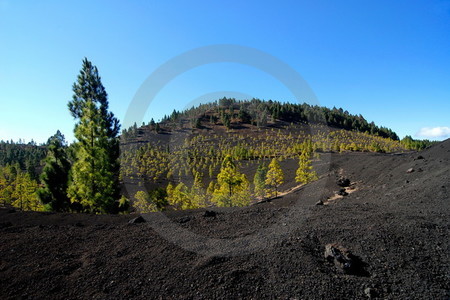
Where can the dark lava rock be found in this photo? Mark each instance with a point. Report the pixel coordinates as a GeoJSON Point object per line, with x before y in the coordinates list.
{"type": "Point", "coordinates": [342, 192]}
{"type": "Point", "coordinates": [420, 157]}
{"type": "Point", "coordinates": [184, 219]}
{"type": "Point", "coordinates": [137, 220]}
{"type": "Point", "coordinates": [344, 182]}
{"type": "Point", "coordinates": [370, 293]}
{"type": "Point", "coordinates": [209, 214]}
{"type": "Point", "coordinates": [344, 260]}
{"type": "Point", "coordinates": [339, 255]}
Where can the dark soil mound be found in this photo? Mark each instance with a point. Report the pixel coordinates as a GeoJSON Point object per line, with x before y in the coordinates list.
{"type": "Point", "coordinates": [395, 225]}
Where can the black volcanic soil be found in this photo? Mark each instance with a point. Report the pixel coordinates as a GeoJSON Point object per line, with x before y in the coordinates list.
{"type": "Point", "coordinates": [396, 223]}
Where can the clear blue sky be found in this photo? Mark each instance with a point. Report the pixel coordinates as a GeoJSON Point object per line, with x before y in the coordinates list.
{"type": "Point", "coordinates": [387, 60]}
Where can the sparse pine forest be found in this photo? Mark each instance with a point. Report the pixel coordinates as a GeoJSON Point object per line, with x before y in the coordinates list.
{"type": "Point", "coordinates": [205, 155]}
{"type": "Point", "coordinates": [224, 153]}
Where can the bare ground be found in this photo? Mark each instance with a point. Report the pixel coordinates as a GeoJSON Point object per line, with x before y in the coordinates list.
{"type": "Point", "coordinates": [396, 223]}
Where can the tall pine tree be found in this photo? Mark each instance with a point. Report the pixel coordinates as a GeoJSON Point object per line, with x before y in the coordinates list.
{"type": "Point", "coordinates": [95, 172]}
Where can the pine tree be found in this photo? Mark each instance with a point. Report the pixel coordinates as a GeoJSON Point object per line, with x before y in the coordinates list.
{"type": "Point", "coordinates": [95, 173]}
{"type": "Point", "coordinates": [232, 189]}
{"type": "Point", "coordinates": [305, 173]}
{"type": "Point", "coordinates": [274, 178]}
{"type": "Point", "coordinates": [55, 175]}
{"type": "Point", "coordinates": [24, 195]}
{"type": "Point", "coordinates": [260, 180]}
{"type": "Point", "coordinates": [143, 203]}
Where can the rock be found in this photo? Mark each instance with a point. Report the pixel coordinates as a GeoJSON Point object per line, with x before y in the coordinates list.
{"type": "Point", "coordinates": [342, 192]}
{"type": "Point", "coordinates": [343, 182]}
{"type": "Point", "coordinates": [137, 220]}
{"type": "Point", "coordinates": [341, 257]}
{"type": "Point", "coordinates": [209, 214]}
{"type": "Point", "coordinates": [370, 293]}
{"type": "Point", "coordinates": [410, 170]}
{"type": "Point", "coordinates": [420, 157]}
{"type": "Point", "coordinates": [184, 219]}
{"type": "Point", "coordinates": [320, 202]}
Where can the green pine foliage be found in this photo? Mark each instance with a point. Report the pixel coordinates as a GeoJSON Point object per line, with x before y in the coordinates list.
{"type": "Point", "coordinates": [27, 155]}
{"type": "Point", "coordinates": [274, 178]}
{"type": "Point", "coordinates": [18, 189]}
{"type": "Point", "coordinates": [413, 144]}
{"type": "Point", "coordinates": [305, 172]}
{"type": "Point", "coordinates": [55, 175]}
{"type": "Point", "coordinates": [95, 172]}
{"type": "Point", "coordinates": [233, 187]}
{"type": "Point", "coordinates": [259, 181]}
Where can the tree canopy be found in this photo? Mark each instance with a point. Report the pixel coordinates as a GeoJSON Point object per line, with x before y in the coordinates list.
{"type": "Point", "coordinates": [95, 172]}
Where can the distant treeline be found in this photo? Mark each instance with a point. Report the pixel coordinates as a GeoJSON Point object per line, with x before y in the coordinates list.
{"type": "Point", "coordinates": [413, 144]}
{"type": "Point", "coordinates": [28, 156]}
{"type": "Point", "coordinates": [229, 111]}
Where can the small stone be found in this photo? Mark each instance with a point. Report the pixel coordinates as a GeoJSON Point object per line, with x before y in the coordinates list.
{"type": "Point", "coordinates": [137, 220]}
{"type": "Point", "coordinates": [320, 202]}
{"type": "Point", "coordinates": [342, 192]}
{"type": "Point", "coordinates": [340, 256]}
{"type": "Point", "coordinates": [410, 170]}
{"type": "Point", "coordinates": [343, 182]}
{"type": "Point", "coordinates": [370, 293]}
{"type": "Point", "coordinates": [184, 219]}
{"type": "Point", "coordinates": [209, 214]}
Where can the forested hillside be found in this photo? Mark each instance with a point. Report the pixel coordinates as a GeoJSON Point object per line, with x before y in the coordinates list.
{"type": "Point", "coordinates": [180, 162]}
{"type": "Point", "coordinates": [224, 153]}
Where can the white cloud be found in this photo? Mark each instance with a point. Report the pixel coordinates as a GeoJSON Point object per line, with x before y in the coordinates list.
{"type": "Point", "coordinates": [434, 132]}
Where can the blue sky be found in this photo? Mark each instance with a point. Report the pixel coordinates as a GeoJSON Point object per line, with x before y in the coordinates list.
{"type": "Point", "coordinates": [386, 60]}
